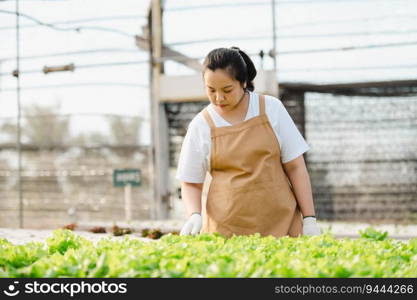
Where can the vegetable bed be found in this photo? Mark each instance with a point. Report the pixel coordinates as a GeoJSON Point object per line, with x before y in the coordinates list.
{"type": "Point", "coordinates": [66, 254]}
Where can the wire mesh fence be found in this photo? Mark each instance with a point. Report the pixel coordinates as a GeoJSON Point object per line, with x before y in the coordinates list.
{"type": "Point", "coordinates": [67, 176]}
{"type": "Point", "coordinates": [363, 157]}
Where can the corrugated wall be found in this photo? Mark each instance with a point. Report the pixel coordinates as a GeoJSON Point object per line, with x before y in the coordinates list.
{"type": "Point", "coordinates": [179, 116]}
{"type": "Point", "coordinates": [363, 157]}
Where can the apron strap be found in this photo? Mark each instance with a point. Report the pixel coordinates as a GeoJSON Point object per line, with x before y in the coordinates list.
{"type": "Point", "coordinates": [261, 104]}
{"type": "Point", "coordinates": [208, 119]}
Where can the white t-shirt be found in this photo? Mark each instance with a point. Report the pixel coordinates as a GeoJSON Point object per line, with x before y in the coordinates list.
{"type": "Point", "coordinates": [194, 159]}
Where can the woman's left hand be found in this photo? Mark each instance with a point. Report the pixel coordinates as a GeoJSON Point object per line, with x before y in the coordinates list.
{"type": "Point", "coordinates": [310, 226]}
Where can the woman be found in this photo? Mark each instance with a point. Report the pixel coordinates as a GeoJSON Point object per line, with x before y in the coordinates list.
{"type": "Point", "coordinates": [253, 151]}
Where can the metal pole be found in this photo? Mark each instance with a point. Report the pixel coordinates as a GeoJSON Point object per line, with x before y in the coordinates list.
{"type": "Point", "coordinates": [274, 41]}
{"type": "Point", "coordinates": [18, 143]}
{"type": "Point", "coordinates": [128, 203]}
{"type": "Point", "coordinates": [0, 77]}
{"type": "Point", "coordinates": [156, 36]}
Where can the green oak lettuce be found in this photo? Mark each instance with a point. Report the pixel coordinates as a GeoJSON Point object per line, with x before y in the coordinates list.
{"type": "Point", "coordinates": [66, 254]}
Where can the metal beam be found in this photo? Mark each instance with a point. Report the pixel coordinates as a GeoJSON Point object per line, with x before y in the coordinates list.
{"type": "Point", "coordinates": [170, 54]}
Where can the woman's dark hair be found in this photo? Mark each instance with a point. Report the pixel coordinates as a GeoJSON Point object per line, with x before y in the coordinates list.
{"type": "Point", "coordinates": [233, 60]}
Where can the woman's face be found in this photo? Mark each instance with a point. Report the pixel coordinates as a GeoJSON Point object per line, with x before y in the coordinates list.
{"type": "Point", "coordinates": [223, 91]}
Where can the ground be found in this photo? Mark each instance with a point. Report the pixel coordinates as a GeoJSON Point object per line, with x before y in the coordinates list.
{"type": "Point", "coordinates": [339, 229]}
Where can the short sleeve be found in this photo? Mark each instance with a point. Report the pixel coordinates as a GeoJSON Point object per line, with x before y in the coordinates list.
{"type": "Point", "coordinates": [191, 162]}
{"type": "Point", "coordinates": [293, 143]}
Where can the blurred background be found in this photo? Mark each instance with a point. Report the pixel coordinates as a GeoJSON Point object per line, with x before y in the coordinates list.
{"type": "Point", "coordinates": [96, 97]}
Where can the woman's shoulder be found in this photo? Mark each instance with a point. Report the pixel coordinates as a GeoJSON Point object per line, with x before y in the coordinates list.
{"type": "Point", "coordinates": [272, 100]}
{"type": "Point", "coordinates": [198, 120]}
{"type": "Point", "coordinates": [198, 124]}
{"type": "Point", "coordinates": [272, 103]}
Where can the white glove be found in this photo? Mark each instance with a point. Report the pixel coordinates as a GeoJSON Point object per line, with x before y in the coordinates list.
{"type": "Point", "coordinates": [193, 225]}
{"type": "Point", "coordinates": [310, 226]}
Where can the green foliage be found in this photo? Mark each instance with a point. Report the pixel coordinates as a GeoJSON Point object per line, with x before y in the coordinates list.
{"type": "Point", "coordinates": [62, 240]}
{"type": "Point", "coordinates": [373, 234]}
{"type": "Point", "coordinates": [66, 254]}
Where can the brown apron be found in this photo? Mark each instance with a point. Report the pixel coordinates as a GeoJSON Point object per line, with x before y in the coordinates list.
{"type": "Point", "coordinates": [249, 192]}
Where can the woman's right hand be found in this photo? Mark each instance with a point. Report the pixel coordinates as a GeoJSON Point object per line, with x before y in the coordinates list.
{"type": "Point", "coordinates": [193, 225]}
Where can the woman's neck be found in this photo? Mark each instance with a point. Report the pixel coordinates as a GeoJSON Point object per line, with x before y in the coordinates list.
{"type": "Point", "coordinates": [239, 113]}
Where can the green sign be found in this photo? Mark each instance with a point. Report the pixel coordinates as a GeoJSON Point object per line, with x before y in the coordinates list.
{"type": "Point", "coordinates": [123, 177]}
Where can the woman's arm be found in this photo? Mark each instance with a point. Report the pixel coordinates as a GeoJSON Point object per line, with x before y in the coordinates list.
{"type": "Point", "coordinates": [191, 195]}
{"type": "Point", "coordinates": [300, 180]}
